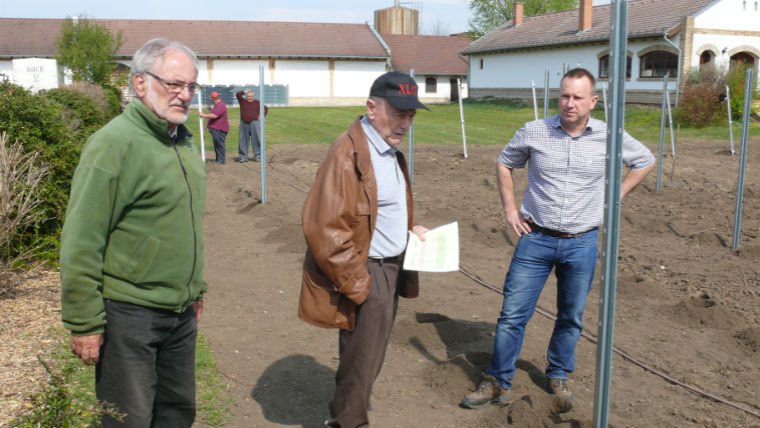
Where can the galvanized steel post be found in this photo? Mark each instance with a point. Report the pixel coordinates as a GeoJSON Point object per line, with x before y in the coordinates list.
{"type": "Point", "coordinates": [411, 145]}
{"type": "Point", "coordinates": [535, 103]}
{"type": "Point", "coordinates": [730, 119]}
{"type": "Point", "coordinates": [743, 160]}
{"type": "Point", "coordinates": [662, 132]}
{"type": "Point", "coordinates": [546, 92]}
{"type": "Point", "coordinates": [461, 116]}
{"type": "Point", "coordinates": [200, 123]}
{"type": "Point", "coordinates": [262, 136]}
{"type": "Point", "coordinates": [615, 126]}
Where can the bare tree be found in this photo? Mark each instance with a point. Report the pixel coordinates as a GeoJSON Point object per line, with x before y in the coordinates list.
{"type": "Point", "coordinates": [20, 176]}
{"type": "Point", "coordinates": [437, 28]}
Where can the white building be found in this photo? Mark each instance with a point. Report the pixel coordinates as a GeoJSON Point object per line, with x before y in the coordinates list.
{"type": "Point", "coordinates": [664, 37]}
{"type": "Point", "coordinates": [321, 64]}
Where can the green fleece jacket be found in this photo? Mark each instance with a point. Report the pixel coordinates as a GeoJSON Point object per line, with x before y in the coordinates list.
{"type": "Point", "coordinates": [134, 224]}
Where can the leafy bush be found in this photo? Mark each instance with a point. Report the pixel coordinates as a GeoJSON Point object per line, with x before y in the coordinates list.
{"type": "Point", "coordinates": [83, 117]}
{"type": "Point", "coordinates": [735, 79]}
{"type": "Point", "coordinates": [700, 105]}
{"type": "Point", "coordinates": [113, 98]}
{"type": "Point", "coordinates": [40, 123]}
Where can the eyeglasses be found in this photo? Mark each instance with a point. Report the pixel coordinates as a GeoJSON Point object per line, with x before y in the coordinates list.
{"type": "Point", "coordinates": [176, 87]}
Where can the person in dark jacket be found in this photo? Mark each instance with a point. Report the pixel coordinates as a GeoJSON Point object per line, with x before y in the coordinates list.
{"type": "Point", "coordinates": [250, 126]}
{"type": "Point", "coordinates": [132, 247]}
{"type": "Point", "coordinates": [356, 221]}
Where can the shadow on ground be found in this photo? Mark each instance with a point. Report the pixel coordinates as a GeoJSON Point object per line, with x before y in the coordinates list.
{"type": "Point", "coordinates": [295, 390]}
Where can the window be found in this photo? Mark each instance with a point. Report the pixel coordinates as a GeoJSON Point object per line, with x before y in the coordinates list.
{"type": "Point", "coordinates": [658, 64]}
{"type": "Point", "coordinates": [481, 63]}
{"type": "Point", "coordinates": [431, 85]}
{"type": "Point", "coordinates": [604, 67]}
{"type": "Point", "coordinates": [742, 58]}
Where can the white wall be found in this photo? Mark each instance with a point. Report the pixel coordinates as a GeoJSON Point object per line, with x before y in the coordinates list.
{"type": "Point", "coordinates": [722, 41]}
{"type": "Point", "coordinates": [37, 73]}
{"type": "Point", "coordinates": [737, 15]}
{"type": "Point", "coordinates": [305, 78]}
{"type": "Point", "coordinates": [517, 69]}
{"type": "Point", "coordinates": [232, 72]}
{"type": "Point", "coordinates": [354, 78]}
{"type": "Point", "coordinates": [6, 68]}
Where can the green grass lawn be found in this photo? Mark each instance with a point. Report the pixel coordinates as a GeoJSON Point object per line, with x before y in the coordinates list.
{"type": "Point", "coordinates": [486, 122]}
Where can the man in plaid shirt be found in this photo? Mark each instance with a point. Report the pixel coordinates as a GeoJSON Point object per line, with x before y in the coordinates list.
{"type": "Point", "coordinates": [558, 224]}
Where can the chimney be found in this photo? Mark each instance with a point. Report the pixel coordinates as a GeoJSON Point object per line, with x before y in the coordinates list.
{"type": "Point", "coordinates": [585, 10]}
{"type": "Point", "coordinates": [518, 15]}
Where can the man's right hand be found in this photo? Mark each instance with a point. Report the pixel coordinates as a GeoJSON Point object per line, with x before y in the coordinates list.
{"type": "Point", "coordinates": [87, 347]}
{"type": "Point", "coordinates": [518, 223]}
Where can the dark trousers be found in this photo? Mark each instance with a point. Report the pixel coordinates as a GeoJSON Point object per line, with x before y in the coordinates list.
{"type": "Point", "coordinates": [147, 366]}
{"type": "Point", "coordinates": [220, 149]}
{"type": "Point", "coordinates": [362, 351]}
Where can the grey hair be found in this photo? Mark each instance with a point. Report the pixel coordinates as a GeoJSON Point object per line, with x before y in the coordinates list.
{"type": "Point", "coordinates": [151, 51]}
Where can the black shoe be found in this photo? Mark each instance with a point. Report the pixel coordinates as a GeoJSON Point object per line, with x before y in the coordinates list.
{"type": "Point", "coordinates": [257, 159]}
{"type": "Point", "coordinates": [241, 160]}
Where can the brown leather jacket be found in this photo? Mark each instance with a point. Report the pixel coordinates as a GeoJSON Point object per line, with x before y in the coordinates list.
{"type": "Point", "coordinates": [338, 221]}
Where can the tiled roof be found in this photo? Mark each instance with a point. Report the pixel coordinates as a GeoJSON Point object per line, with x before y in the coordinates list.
{"type": "Point", "coordinates": [646, 18]}
{"type": "Point", "coordinates": [21, 37]}
{"type": "Point", "coordinates": [427, 54]}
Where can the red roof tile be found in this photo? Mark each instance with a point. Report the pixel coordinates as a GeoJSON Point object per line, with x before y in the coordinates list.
{"type": "Point", "coordinates": [22, 37]}
{"type": "Point", "coordinates": [646, 18]}
{"type": "Point", "coordinates": [427, 54]}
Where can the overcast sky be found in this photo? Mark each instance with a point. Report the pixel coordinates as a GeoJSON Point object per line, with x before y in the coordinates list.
{"type": "Point", "coordinates": [450, 15]}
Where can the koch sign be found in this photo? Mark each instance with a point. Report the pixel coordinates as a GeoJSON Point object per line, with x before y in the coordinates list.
{"type": "Point", "coordinates": [37, 73]}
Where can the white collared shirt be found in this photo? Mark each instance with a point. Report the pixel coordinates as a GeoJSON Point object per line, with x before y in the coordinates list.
{"type": "Point", "coordinates": [390, 235]}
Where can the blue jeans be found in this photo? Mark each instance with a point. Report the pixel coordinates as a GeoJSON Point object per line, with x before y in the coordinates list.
{"type": "Point", "coordinates": [574, 261]}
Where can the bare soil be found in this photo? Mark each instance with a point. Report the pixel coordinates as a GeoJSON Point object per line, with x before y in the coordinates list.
{"type": "Point", "coordinates": [687, 305]}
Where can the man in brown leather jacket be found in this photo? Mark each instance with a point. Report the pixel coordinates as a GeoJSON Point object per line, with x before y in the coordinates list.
{"type": "Point", "coordinates": [356, 221]}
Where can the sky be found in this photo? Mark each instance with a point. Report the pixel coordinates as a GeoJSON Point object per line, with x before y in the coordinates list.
{"type": "Point", "coordinates": [448, 16]}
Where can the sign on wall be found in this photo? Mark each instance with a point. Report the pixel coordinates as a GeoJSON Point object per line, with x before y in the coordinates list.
{"type": "Point", "coordinates": [37, 73]}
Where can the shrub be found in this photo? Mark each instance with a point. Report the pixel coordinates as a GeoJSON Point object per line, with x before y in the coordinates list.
{"type": "Point", "coordinates": [40, 123]}
{"type": "Point", "coordinates": [735, 79]}
{"type": "Point", "coordinates": [700, 105]}
{"type": "Point", "coordinates": [113, 97]}
{"type": "Point", "coordinates": [57, 406]}
{"type": "Point", "coordinates": [83, 116]}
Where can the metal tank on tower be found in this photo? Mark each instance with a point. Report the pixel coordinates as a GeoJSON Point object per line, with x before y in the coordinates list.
{"type": "Point", "coordinates": [398, 19]}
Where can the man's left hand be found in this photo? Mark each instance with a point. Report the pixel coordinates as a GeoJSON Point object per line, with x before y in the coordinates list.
{"type": "Point", "coordinates": [420, 231]}
{"type": "Point", "coordinates": [198, 308]}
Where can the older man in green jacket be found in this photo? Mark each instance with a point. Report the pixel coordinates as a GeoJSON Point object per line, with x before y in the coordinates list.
{"type": "Point", "coordinates": [132, 247]}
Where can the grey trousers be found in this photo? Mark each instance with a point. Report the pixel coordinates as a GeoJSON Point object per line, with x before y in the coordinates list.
{"type": "Point", "coordinates": [249, 131]}
{"type": "Point", "coordinates": [362, 351]}
{"type": "Point", "coordinates": [147, 366]}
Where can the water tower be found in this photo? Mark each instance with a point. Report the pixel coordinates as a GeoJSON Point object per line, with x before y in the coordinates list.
{"type": "Point", "coordinates": [398, 20]}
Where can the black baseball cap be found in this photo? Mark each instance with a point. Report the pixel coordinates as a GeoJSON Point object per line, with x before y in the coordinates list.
{"type": "Point", "coordinates": [399, 89]}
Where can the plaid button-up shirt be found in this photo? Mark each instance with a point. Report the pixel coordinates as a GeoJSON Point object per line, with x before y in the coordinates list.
{"type": "Point", "coordinates": [566, 174]}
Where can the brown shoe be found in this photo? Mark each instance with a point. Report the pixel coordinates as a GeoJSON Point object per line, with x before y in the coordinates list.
{"type": "Point", "coordinates": [559, 388]}
{"type": "Point", "coordinates": [488, 392]}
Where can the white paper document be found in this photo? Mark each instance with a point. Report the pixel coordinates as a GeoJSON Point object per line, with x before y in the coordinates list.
{"type": "Point", "coordinates": [439, 252]}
